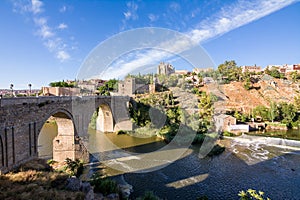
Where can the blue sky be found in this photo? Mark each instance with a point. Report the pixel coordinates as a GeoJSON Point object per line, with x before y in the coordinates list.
{"type": "Point", "coordinates": [44, 41]}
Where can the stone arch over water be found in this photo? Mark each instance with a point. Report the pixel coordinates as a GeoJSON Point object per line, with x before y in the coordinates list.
{"type": "Point", "coordinates": [104, 121]}
{"type": "Point", "coordinates": [63, 141]}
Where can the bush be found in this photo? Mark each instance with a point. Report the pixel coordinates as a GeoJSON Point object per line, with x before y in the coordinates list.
{"type": "Point", "coordinates": [103, 185]}
{"type": "Point", "coordinates": [216, 150]}
{"type": "Point", "coordinates": [148, 195]}
{"type": "Point", "coordinates": [73, 167]}
{"type": "Point", "coordinates": [252, 194]}
{"type": "Point", "coordinates": [228, 134]}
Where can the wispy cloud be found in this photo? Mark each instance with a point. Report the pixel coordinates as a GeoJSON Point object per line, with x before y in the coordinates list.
{"type": "Point", "coordinates": [62, 55]}
{"type": "Point", "coordinates": [63, 9]}
{"type": "Point", "coordinates": [175, 7]}
{"type": "Point", "coordinates": [62, 26]}
{"type": "Point", "coordinates": [22, 6]}
{"type": "Point", "coordinates": [153, 17]}
{"type": "Point", "coordinates": [227, 19]}
{"type": "Point", "coordinates": [130, 13]}
{"type": "Point", "coordinates": [235, 16]}
{"type": "Point", "coordinates": [47, 34]}
{"type": "Point", "coordinates": [36, 6]}
{"type": "Point", "coordinates": [44, 30]}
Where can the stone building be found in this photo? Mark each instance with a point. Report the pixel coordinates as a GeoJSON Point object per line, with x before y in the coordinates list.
{"type": "Point", "coordinates": [165, 68]}
{"type": "Point", "coordinates": [129, 87]}
{"type": "Point", "coordinates": [254, 69]}
{"type": "Point", "coordinates": [60, 91]}
{"type": "Point", "coordinates": [223, 122]}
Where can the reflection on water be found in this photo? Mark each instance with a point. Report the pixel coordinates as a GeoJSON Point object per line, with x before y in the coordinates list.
{"type": "Point", "coordinates": [120, 154]}
{"type": "Point", "coordinates": [45, 140]}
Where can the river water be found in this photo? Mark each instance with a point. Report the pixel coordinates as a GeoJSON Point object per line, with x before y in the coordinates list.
{"type": "Point", "coordinates": [262, 163]}
{"type": "Point", "coordinates": [268, 164]}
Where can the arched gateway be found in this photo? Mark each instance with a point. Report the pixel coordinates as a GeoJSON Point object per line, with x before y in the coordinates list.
{"type": "Point", "coordinates": [22, 119]}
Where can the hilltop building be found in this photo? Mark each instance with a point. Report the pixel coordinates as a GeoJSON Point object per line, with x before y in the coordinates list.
{"type": "Point", "coordinates": [181, 72]}
{"type": "Point", "coordinates": [165, 68]}
{"type": "Point", "coordinates": [90, 85]}
{"type": "Point", "coordinates": [130, 87]}
{"type": "Point", "coordinates": [254, 69]}
{"type": "Point", "coordinates": [285, 69]}
{"type": "Point", "coordinates": [199, 70]}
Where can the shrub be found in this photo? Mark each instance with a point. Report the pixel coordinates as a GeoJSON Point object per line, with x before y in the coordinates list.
{"type": "Point", "coordinates": [74, 167]}
{"type": "Point", "coordinates": [148, 195]}
{"type": "Point", "coordinates": [252, 194]}
{"type": "Point", "coordinates": [228, 134]}
{"type": "Point", "coordinates": [103, 185]}
{"type": "Point", "coordinates": [216, 150]}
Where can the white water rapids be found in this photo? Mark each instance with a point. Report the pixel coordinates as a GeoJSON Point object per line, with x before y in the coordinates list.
{"type": "Point", "coordinates": [254, 149]}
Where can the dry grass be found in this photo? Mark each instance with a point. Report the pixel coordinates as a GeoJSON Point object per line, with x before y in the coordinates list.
{"type": "Point", "coordinates": [33, 184]}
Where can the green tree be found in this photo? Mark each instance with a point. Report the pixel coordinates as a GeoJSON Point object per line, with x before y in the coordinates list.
{"type": "Point", "coordinates": [61, 84]}
{"type": "Point", "coordinates": [295, 76]}
{"type": "Point", "coordinates": [297, 102]}
{"type": "Point", "coordinates": [261, 111]}
{"type": "Point", "coordinates": [108, 86]}
{"type": "Point", "coordinates": [230, 71]}
{"type": "Point", "coordinates": [273, 111]}
{"type": "Point", "coordinates": [288, 112]}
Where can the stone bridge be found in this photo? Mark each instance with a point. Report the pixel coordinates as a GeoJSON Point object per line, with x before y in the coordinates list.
{"type": "Point", "coordinates": [21, 121]}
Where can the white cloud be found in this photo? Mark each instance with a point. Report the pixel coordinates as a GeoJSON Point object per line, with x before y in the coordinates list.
{"type": "Point", "coordinates": [153, 17]}
{"type": "Point", "coordinates": [229, 18]}
{"type": "Point", "coordinates": [62, 55]}
{"type": "Point", "coordinates": [175, 7]}
{"type": "Point", "coordinates": [49, 38]}
{"type": "Point", "coordinates": [36, 6]}
{"type": "Point", "coordinates": [234, 16]}
{"type": "Point", "coordinates": [62, 26]}
{"type": "Point", "coordinates": [131, 12]}
{"type": "Point", "coordinates": [43, 29]}
{"type": "Point", "coordinates": [63, 9]}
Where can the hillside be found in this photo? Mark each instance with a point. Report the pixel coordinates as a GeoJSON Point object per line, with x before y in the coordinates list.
{"type": "Point", "coordinates": [234, 96]}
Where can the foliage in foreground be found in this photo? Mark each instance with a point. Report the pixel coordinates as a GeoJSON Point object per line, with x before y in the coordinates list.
{"type": "Point", "coordinates": [103, 185]}
{"type": "Point", "coordinates": [73, 167]}
{"type": "Point", "coordinates": [148, 195]}
{"type": "Point", "coordinates": [32, 184]}
{"type": "Point", "coordinates": [252, 194]}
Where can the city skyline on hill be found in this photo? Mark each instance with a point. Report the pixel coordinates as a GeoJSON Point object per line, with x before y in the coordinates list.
{"type": "Point", "coordinates": [45, 41]}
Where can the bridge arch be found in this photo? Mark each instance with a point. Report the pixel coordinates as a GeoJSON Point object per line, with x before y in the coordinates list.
{"type": "Point", "coordinates": [105, 120]}
{"type": "Point", "coordinates": [61, 140]}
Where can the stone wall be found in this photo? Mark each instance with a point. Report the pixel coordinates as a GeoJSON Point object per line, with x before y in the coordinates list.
{"type": "Point", "coordinates": [21, 120]}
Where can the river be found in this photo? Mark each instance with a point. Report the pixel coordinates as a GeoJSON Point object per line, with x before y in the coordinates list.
{"type": "Point", "coordinates": [293, 134]}
{"type": "Point", "coordinates": [268, 164]}
{"type": "Point", "coordinates": [259, 163]}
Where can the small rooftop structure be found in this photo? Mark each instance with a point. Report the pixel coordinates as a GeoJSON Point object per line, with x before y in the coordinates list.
{"type": "Point", "coordinates": [254, 68]}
